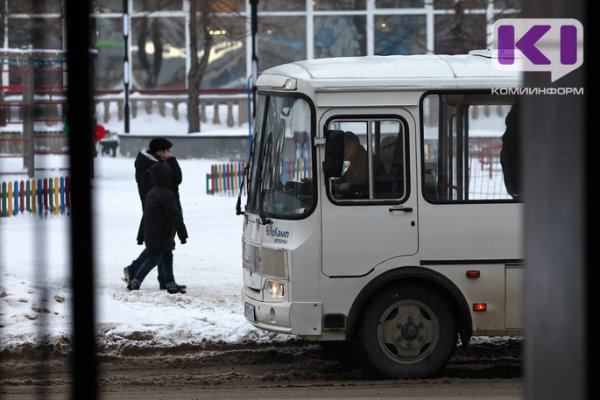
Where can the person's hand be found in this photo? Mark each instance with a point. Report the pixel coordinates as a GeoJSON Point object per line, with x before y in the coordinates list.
{"type": "Point", "coordinates": [164, 154]}
{"type": "Point", "coordinates": [183, 241]}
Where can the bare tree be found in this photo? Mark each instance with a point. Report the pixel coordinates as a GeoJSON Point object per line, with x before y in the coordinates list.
{"type": "Point", "coordinates": [150, 27]}
{"type": "Point", "coordinates": [198, 65]}
{"type": "Point", "coordinates": [209, 19]}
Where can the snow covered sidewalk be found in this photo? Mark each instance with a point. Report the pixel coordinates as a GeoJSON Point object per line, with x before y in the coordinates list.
{"type": "Point", "coordinates": [35, 298]}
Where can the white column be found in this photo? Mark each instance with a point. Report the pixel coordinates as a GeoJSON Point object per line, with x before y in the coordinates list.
{"type": "Point", "coordinates": [430, 23]}
{"type": "Point", "coordinates": [370, 28]}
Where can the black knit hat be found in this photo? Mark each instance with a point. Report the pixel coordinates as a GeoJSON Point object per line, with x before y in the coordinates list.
{"type": "Point", "coordinates": [159, 144]}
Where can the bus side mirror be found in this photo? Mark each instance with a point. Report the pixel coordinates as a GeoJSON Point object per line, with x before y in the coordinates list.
{"type": "Point", "coordinates": [334, 154]}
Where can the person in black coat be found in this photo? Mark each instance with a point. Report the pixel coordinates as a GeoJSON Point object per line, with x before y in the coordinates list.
{"type": "Point", "coordinates": [159, 151]}
{"type": "Point", "coordinates": [162, 220]}
{"type": "Point", "coordinates": [510, 157]}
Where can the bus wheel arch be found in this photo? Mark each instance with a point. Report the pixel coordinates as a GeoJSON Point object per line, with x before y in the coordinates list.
{"type": "Point", "coordinates": [442, 313]}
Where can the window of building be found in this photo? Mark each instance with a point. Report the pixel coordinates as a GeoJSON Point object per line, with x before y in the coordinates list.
{"type": "Point", "coordinates": [227, 60]}
{"type": "Point", "coordinates": [228, 6]}
{"type": "Point", "coordinates": [281, 5]}
{"type": "Point", "coordinates": [157, 5]}
{"type": "Point", "coordinates": [470, 148]}
{"type": "Point", "coordinates": [465, 4]}
{"type": "Point", "coordinates": [34, 6]}
{"type": "Point", "coordinates": [459, 34]}
{"type": "Point", "coordinates": [158, 52]}
{"type": "Point", "coordinates": [281, 40]}
{"type": "Point", "coordinates": [108, 41]}
{"type": "Point", "coordinates": [340, 36]}
{"type": "Point", "coordinates": [107, 6]}
{"type": "Point", "coordinates": [35, 33]}
{"type": "Point", "coordinates": [399, 3]}
{"type": "Point", "coordinates": [400, 34]}
{"type": "Point", "coordinates": [339, 5]}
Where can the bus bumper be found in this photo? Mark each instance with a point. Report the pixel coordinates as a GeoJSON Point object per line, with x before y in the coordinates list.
{"type": "Point", "coordinates": [293, 318]}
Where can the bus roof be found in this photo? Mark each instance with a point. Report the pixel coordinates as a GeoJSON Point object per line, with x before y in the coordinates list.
{"type": "Point", "coordinates": [441, 71]}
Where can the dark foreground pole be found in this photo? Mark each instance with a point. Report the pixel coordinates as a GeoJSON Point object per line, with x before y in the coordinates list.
{"type": "Point", "coordinates": [79, 114]}
{"type": "Point", "coordinates": [557, 270]}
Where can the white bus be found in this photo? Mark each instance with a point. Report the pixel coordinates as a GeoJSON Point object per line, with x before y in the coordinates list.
{"type": "Point", "coordinates": [383, 206]}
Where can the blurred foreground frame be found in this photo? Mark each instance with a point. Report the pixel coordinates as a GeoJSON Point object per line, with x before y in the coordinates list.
{"type": "Point", "coordinates": [79, 114]}
{"type": "Point", "coordinates": [558, 274]}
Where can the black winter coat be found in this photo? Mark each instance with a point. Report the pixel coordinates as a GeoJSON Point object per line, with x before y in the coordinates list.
{"type": "Point", "coordinates": [162, 214]}
{"type": "Point", "coordinates": [143, 162]}
{"type": "Point", "coordinates": [510, 158]}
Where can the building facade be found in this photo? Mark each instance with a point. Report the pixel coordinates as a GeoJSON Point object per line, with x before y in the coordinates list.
{"type": "Point", "coordinates": [159, 37]}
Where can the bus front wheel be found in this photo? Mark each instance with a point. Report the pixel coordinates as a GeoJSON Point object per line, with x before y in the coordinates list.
{"type": "Point", "coordinates": [408, 331]}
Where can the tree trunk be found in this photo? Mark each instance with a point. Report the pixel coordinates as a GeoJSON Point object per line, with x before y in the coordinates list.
{"type": "Point", "coordinates": [198, 66]}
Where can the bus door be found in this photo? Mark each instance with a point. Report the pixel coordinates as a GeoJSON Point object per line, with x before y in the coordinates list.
{"type": "Point", "coordinates": [369, 212]}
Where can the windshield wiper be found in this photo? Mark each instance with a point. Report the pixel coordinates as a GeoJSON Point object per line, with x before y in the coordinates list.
{"type": "Point", "coordinates": [238, 204]}
{"type": "Point", "coordinates": [261, 212]}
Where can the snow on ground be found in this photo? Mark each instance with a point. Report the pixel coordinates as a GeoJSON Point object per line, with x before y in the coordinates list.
{"type": "Point", "coordinates": [36, 301]}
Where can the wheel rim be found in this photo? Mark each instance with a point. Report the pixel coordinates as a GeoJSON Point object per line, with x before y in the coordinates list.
{"type": "Point", "coordinates": [408, 331]}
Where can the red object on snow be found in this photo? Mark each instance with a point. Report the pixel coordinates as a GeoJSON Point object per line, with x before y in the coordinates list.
{"type": "Point", "coordinates": [99, 133]}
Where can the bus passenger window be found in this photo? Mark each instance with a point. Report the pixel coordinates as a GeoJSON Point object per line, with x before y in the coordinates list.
{"type": "Point", "coordinates": [470, 148]}
{"type": "Point", "coordinates": [389, 146]}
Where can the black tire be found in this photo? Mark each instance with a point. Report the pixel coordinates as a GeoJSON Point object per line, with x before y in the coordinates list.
{"type": "Point", "coordinates": [408, 331]}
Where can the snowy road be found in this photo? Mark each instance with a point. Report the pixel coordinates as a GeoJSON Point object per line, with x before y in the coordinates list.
{"type": "Point", "coordinates": [492, 369]}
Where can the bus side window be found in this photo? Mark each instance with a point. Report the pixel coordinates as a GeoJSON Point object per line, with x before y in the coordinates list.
{"type": "Point", "coordinates": [390, 183]}
{"type": "Point", "coordinates": [470, 148]}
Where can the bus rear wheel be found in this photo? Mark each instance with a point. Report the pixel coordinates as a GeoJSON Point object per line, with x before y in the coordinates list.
{"type": "Point", "coordinates": [408, 331]}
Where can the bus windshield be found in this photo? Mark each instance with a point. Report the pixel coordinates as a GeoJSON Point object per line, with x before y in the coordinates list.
{"type": "Point", "coordinates": [280, 178]}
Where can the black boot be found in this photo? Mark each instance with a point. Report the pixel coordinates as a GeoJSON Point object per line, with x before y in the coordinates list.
{"type": "Point", "coordinates": [134, 285]}
{"type": "Point", "coordinates": [127, 275]}
{"type": "Point", "coordinates": [173, 288]}
{"type": "Point", "coordinates": [164, 287]}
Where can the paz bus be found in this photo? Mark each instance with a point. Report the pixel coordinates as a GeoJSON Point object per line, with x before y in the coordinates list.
{"type": "Point", "coordinates": [404, 243]}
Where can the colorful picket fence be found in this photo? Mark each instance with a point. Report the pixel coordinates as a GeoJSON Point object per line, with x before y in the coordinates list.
{"type": "Point", "coordinates": [296, 170]}
{"type": "Point", "coordinates": [225, 178]}
{"type": "Point", "coordinates": [42, 197]}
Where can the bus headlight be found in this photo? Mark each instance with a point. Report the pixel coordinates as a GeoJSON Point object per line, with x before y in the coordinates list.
{"type": "Point", "coordinates": [275, 289]}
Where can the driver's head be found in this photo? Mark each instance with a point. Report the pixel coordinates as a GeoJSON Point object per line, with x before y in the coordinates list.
{"type": "Point", "coordinates": [351, 143]}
